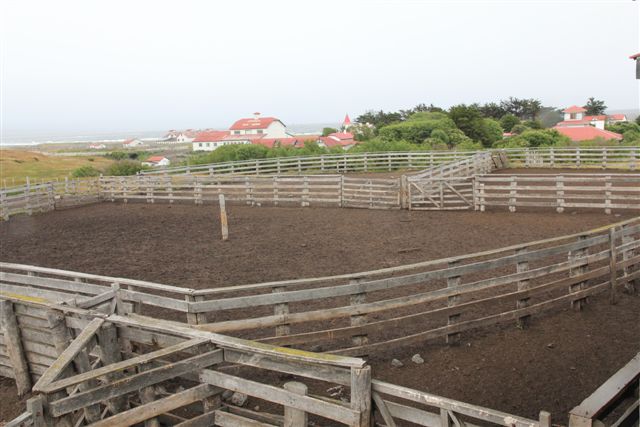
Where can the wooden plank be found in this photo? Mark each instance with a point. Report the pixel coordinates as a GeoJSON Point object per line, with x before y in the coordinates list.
{"type": "Point", "coordinates": [122, 365]}
{"type": "Point", "coordinates": [70, 353]}
{"type": "Point", "coordinates": [294, 417]}
{"type": "Point", "coordinates": [153, 409]}
{"type": "Point", "coordinates": [135, 382]}
{"type": "Point", "coordinates": [280, 396]}
{"type": "Point", "coordinates": [381, 407]}
{"type": "Point", "coordinates": [361, 394]}
{"type": "Point", "coordinates": [226, 419]}
{"type": "Point", "coordinates": [15, 350]}
{"type": "Point", "coordinates": [608, 392]}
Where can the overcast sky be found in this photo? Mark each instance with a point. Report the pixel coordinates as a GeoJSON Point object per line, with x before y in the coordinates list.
{"type": "Point", "coordinates": [146, 65]}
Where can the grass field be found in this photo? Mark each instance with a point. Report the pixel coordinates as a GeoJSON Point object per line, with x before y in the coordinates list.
{"type": "Point", "coordinates": [16, 165]}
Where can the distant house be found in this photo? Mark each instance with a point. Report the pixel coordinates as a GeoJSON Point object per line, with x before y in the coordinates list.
{"type": "Point", "coordinates": [579, 127]}
{"type": "Point", "coordinates": [96, 146]}
{"type": "Point", "coordinates": [338, 139]}
{"type": "Point", "coordinates": [132, 143]}
{"type": "Point", "coordinates": [156, 161]}
{"type": "Point", "coordinates": [210, 140]}
{"type": "Point", "coordinates": [269, 127]}
{"type": "Point", "coordinates": [179, 136]}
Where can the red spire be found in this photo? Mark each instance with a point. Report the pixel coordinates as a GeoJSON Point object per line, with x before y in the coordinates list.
{"type": "Point", "coordinates": [347, 120]}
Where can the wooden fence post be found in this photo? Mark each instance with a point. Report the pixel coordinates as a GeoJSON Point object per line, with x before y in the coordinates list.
{"type": "Point", "coordinates": [521, 267]}
{"type": "Point", "coordinates": [358, 319]}
{"type": "Point", "coordinates": [544, 419]}
{"type": "Point", "coordinates": [275, 190]}
{"type": "Point", "coordinates": [35, 406]}
{"type": "Point", "coordinates": [613, 255]}
{"type": "Point", "coordinates": [574, 256]}
{"type": "Point", "coordinates": [305, 191]}
{"type": "Point", "coordinates": [27, 192]}
{"type": "Point", "coordinates": [453, 300]}
{"type": "Point", "coordinates": [15, 350]}
{"type": "Point", "coordinates": [513, 194]}
{"type": "Point", "coordinates": [560, 194]}
{"type": "Point", "coordinates": [110, 353]}
{"type": "Point", "coordinates": [607, 195]}
{"type": "Point", "coordinates": [223, 217]}
{"type": "Point", "coordinates": [627, 255]}
{"type": "Point", "coordinates": [281, 309]}
{"type": "Point", "coordinates": [3, 206]}
{"type": "Point", "coordinates": [482, 198]}
{"type": "Point", "coordinates": [361, 394]}
{"type": "Point", "coordinates": [295, 417]}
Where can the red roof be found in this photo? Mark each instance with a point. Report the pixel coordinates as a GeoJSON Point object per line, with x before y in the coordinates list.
{"type": "Point", "coordinates": [341, 135]}
{"type": "Point", "coordinates": [253, 123]}
{"type": "Point", "coordinates": [582, 122]}
{"type": "Point", "coordinates": [347, 120]}
{"type": "Point", "coordinates": [271, 142]}
{"type": "Point", "coordinates": [574, 109]}
{"type": "Point", "coordinates": [617, 116]}
{"type": "Point", "coordinates": [636, 56]}
{"type": "Point", "coordinates": [211, 136]}
{"type": "Point", "coordinates": [586, 133]}
{"type": "Point", "coordinates": [155, 159]}
{"type": "Point", "coordinates": [602, 117]}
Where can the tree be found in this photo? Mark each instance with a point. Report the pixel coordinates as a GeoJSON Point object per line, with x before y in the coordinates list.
{"type": "Point", "coordinates": [492, 110]}
{"type": "Point", "coordinates": [508, 121]}
{"type": "Point", "coordinates": [525, 109]}
{"type": "Point", "coordinates": [379, 118]}
{"type": "Point", "coordinates": [328, 131]}
{"type": "Point", "coordinates": [595, 107]}
{"type": "Point", "coordinates": [638, 120]}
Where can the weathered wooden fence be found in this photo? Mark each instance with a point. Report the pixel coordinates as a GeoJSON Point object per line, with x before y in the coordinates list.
{"type": "Point", "coordinates": [600, 157]}
{"type": "Point", "coordinates": [594, 191]}
{"type": "Point", "coordinates": [48, 196]}
{"type": "Point", "coordinates": [358, 313]}
{"type": "Point", "coordinates": [113, 367]}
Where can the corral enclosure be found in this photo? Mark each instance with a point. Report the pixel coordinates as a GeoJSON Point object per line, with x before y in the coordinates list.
{"type": "Point", "coordinates": [179, 244]}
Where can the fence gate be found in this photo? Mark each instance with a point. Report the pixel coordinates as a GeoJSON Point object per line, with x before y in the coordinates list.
{"type": "Point", "coordinates": [441, 194]}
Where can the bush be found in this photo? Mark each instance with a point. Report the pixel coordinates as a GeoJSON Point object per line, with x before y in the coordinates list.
{"type": "Point", "coordinates": [508, 121]}
{"type": "Point", "coordinates": [85, 171]}
{"type": "Point", "coordinates": [418, 129]}
{"type": "Point", "coordinates": [328, 131]}
{"type": "Point", "coordinates": [440, 135]}
{"type": "Point", "coordinates": [123, 168]}
{"type": "Point", "coordinates": [534, 138]}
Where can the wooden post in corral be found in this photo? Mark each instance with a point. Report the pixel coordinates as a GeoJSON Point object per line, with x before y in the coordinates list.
{"type": "Point", "coordinates": [281, 309]}
{"type": "Point", "coordinates": [578, 256]}
{"type": "Point", "coordinates": [521, 267]}
{"type": "Point", "coordinates": [223, 217]}
{"type": "Point", "coordinates": [613, 254]}
{"type": "Point", "coordinates": [453, 300]}
{"type": "Point", "coordinates": [295, 417]}
{"type": "Point", "coordinates": [560, 194]}
{"type": "Point", "coordinates": [627, 254]}
{"type": "Point", "coordinates": [15, 350]}
{"type": "Point", "coordinates": [361, 394]}
{"type": "Point", "coordinates": [358, 319]}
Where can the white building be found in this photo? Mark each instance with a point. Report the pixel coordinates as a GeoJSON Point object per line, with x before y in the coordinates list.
{"type": "Point", "coordinates": [132, 143]}
{"type": "Point", "coordinates": [268, 127]}
{"type": "Point", "coordinates": [574, 116]}
{"type": "Point", "coordinates": [97, 146]}
{"type": "Point", "coordinates": [156, 161]}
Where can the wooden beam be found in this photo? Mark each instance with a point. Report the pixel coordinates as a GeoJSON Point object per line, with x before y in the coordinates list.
{"type": "Point", "coordinates": [295, 417]}
{"type": "Point", "coordinates": [13, 343]}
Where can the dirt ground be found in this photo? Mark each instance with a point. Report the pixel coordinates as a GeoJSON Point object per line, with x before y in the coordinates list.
{"type": "Point", "coordinates": [553, 365]}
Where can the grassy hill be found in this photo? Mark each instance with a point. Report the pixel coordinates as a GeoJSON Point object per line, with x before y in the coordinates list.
{"type": "Point", "coordinates": [16, 165]}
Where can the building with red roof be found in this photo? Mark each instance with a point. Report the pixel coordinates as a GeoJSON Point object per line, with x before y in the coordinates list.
{"type": "Point", "coordinates": [270, 127]}
{"type": "Point", "coordinates": [338, 139]}
{"type": "Point", "coordinates": [155, 161]}
{"type": "Point", "coordinates": [579, 127]}
{"type": "Point", "coordinates": [588, 132]}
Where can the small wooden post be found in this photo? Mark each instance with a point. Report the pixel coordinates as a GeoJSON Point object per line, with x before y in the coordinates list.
{"type": "Point", "coordinates": [295, 417]}
{"type": "Point", "coordinates": [13, 342]}
{"type": "Point", "coordinates": [521, 267]}
{"type": "Point", "coordinates": [195, 318]}
{"type": "Point", "coordinates": [627, 255]}
{"type": "Point", "coordinates": [453, 300]}
{"type": "Point", "coordinates": [27, 193]}
{"type": "Point", "coordinates": [512, 194]}
{"type": "Point", "coordinates": [560, 194]}
{"type": "Point", "coordinates": [544, 419]}
{"type": "Point", "coordinates": [578, 271]}
{"type": "Point", "coordinates": [110, 353]}
{"type": "Point", "coordinates": [607, 195]}
{"type": "Point", "coordinates": [305, 191]}
{"type": "Point", "coordinates": [358, 319]}
{"type": "Point", "coordinates": [613, 254]}
{"type": "Point", "coordinates": [223, 217]}
{"type": "Point", "coordinates": [361, 394]}
{"type": "Point", "coordinates": [148, 395]}
{"type": "Point", "coordinates": [275, 190]}
{"type": "Point", "coordinates": [281, 309]}
{"type": "Point", "coordinates": [482, 198]}
{"type": "Point", "coordinates": [35, 406]}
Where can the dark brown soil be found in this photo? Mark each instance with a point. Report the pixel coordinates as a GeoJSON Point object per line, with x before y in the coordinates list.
{"type": "Point", "coordinates": [555, 364]}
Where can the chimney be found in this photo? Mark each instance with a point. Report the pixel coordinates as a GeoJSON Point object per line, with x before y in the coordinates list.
{"type": "Point", "coordinates": [256, 115]}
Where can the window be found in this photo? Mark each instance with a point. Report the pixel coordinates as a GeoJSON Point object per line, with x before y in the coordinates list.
{"type": "Point", "coordinates": [236, 132]}
{"type": "Point", "coordinates": [260, 131]}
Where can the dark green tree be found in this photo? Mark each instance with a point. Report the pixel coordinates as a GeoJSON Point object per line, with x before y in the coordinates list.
{"type": "Point", "coordinates": [595, 107]}
{"type": "Point", "coordinates": [328, 131]}
{"type": "Point", "coordinates": [492, 110]}
{"type": "Point", "coordinates": [508, 121]}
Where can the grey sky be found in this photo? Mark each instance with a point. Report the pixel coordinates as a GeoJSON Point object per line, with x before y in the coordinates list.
{"type": "Point", "coordinates": [140, 65]}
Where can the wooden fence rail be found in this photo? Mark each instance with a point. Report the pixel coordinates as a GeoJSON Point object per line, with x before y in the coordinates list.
{"type": "Point", "coordinates": [590, 191]}
{"type": "Point", "coordinates": [601, 157]}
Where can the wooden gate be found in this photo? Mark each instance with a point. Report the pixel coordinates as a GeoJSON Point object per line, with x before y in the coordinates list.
{"type": "Point", "coordinates": [452, 193]}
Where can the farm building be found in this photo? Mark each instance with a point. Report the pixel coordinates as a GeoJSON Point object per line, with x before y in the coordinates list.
{"type": "Point", "coordinates": [155, 161]}
{"type": "Point", "coordinates": [580, 127]}
{"type": "Point", "coordinates": [338, 139]}
{"type": "Point", "coordinates": [97, 146]}
{"type": "Point", "coordinates": [132, 143]}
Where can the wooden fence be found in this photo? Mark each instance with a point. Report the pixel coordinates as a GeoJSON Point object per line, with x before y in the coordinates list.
{"type": "Point", "coordinates": [358, 313]}
{"type": "Point", "coordinates": [108, 366]}
{"type": "Point", "coordinates": [47, 196]}
{"type": "Point", "coordinates": [590, 191]}
{"type": "Point", "coordinates": [596, 157]}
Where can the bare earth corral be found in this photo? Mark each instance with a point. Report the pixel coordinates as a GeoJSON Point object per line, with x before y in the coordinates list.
{"type": "Point", "coordinates": [553, 365]}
